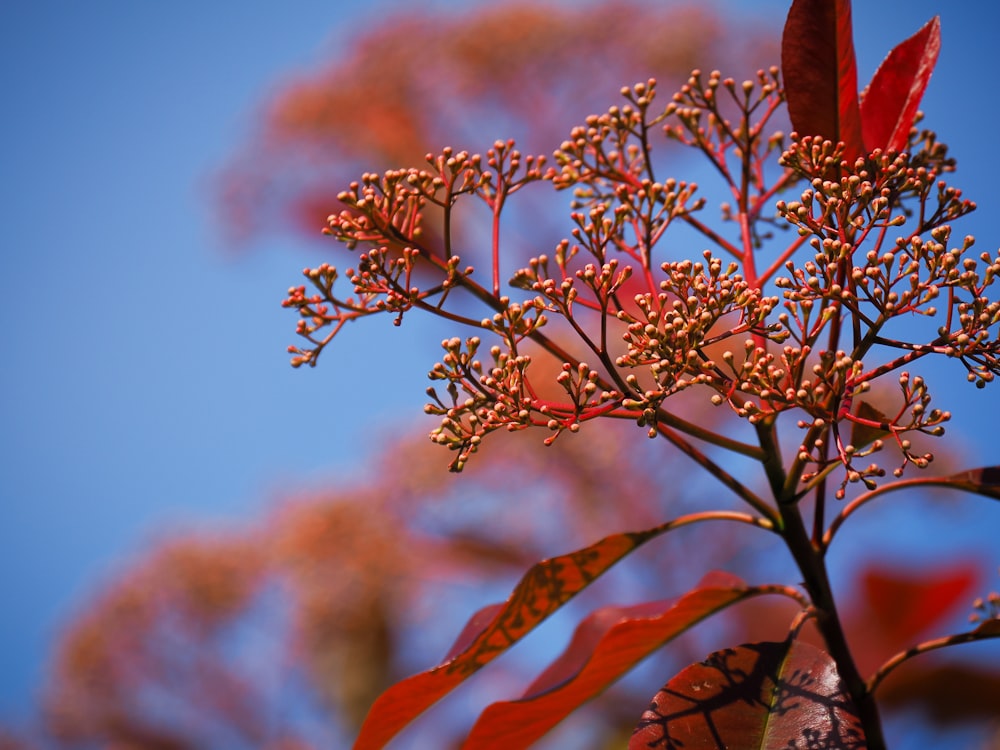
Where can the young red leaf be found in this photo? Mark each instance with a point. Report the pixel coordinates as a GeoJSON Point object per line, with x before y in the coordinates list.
{"type": "Point", "coordinates": [889, 104]}
{"type": "Point", "coordinates": [820, 73]}
{"type": "Point", "coordinates": [604, 647]}
{"type": "Point", "coordinates": [543, 589]}
{"type": "Point", "coordinates": [758, 696]}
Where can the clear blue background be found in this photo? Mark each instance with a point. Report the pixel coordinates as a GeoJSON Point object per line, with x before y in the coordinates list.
{"type": "Point", "coordinates": [144, 385]}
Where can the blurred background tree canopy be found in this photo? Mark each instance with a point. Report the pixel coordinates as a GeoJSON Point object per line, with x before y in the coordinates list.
{"type": "Point", "coordinates": [280, 633]}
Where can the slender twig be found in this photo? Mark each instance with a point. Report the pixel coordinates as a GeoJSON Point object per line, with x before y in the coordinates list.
{"type": "Point", "coordinates": [792, 593]}
{"type": "Point", "coordinates": [741, 490]}
{"type": "Point", "coordinates": [860, 501]}
{"type": "Point", "coordinates": [717, 238]}
{"type": "Point", "coordinates": [717, 515]}
{"type": "Point", "coordinates": [990, 629]}
{"type": "Point", "coordinates": [782, 259]}
{"type": "Point", "coordinates": [808, 613]}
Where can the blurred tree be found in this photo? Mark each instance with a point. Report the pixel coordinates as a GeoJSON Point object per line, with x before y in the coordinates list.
{"type": "Point", "coordinates": [526, 70]}
{"type": "Point", "coordinates": [281, 635]}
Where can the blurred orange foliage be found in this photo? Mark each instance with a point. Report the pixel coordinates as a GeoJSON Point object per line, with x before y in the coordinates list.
{"type": "Point", "coordinates": [424, 80]}
{"type": "Point", "coordinates": [282, 635]}
{"type": "Point", "coordinates": [228, 639]}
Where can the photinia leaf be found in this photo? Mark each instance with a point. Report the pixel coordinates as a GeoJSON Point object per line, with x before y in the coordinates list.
{"type": "Point", "coordinates": [945, 694]}
{"type": "Point", "coordinates": [902, 605]}
{"type": "Point", "coordinates": [758, 696]}
{"type": "Point", "coordinates": [983, 481]}
{"type": "Point", "coordinates": [543, 589]}
{"type": "Point", "coordinates": [820, 72]}
{"type": "Point", "coordinates": [606, 645]}
{"type": "Point", "coordinates": [988, 628]}
{"type": "Point", "coordinates": [889, 104]}
{"type": "Point", "coordinates": [863, 435]}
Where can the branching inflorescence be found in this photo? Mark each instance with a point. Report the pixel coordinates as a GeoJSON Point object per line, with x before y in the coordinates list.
{"type": "Point", "coordinates": [878, 230]}
{"type": "Point", "coordinates": [803, 317]}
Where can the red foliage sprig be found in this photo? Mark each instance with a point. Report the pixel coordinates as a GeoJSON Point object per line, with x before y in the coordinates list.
{"type": "Point", "coordinates": [806, 323]}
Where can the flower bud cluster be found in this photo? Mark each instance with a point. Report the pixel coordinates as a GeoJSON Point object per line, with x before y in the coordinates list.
{"type": "Point", "coordinates": [699, 109]}
{"type": "Point", "coordinates": [516, 321]}
{"type": "Point", "coordinates": [383, 209]}
{"type": "Point", "coordinates": [609, 146]}
{"type": "Point", "coordinates": [601, 284]}
{"type": "Point", "coordinates": [879, 233]}
{"type": "Point", "coordinates": [874, 244]}
{"type": "Point", "coordinates": [699, 304]}
{"type": "Point", "coordinates": [915, 416]}
{"type": "Point", "coordinates": [608, 163]}
{"type": "Point", "coordinates": [725, 121]}
{"type": "Point", "coordinates": [383, 282]}
{"type": "Point", "coordinates": [986, 609]}
{"type": "Point", "coordinates": [480, 401]}
{"type": "Point", "coordinates": [506, 171]}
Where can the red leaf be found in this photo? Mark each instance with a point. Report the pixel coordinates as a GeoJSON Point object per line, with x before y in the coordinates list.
{"type": "Point", "coordinates": [988, 628]}
{"type": "Point", "coordinates": [820, 72]}
{"type": "Point", "coordinates": [905, 604]}
{"type": "Point", "coordinates": [946, 694]}
{"type": "Point", "coordinates": [543, 589]}
{"type": "Point", "coordinates": [761, 696]}
{"type": "Point", "coordinates": [889, 104]}
{"type": "Point", "coordinates": [604, 647]}
{"type": "Point", "coordinates": [863, 435]}
{"type": "Point", "coordinates": [983, 481]}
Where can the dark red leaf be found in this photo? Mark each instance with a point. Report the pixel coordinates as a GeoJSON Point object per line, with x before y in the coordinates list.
{"type": "Point", "coordinates": [889, 104]}
{"type": "Point", "coordinates": [863, 435]}
{"type": "Point", "coordinates": [604, 647]}
{"type": "Point", "coordinates": [946, 694]}
{"type": "Point", "coordinates": [820, 73]}
{"type": "Point", "coordinates": [988, 628]}
{"type": "Point", "coordinates": [544, 588]}
{"type": "Point", "coordinates": [983, 481]}
{"type": "Point", "coordinates": [759, 696]}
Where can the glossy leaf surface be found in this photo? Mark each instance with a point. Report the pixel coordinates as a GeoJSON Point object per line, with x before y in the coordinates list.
{"type": "Point", "coordinates": [889, 104]}
{"type": "Point", "coordinates": [544, 588]}
{"type": "Point", "coordinates": [759, 696]}
{"type": "Point", "coordinates": [820, 72]}
{"type": "Point", "coordinates": [604, 647]}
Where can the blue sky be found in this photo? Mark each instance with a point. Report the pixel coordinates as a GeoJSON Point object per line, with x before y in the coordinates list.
{"type": "Point", "coordinates": [144, 385]}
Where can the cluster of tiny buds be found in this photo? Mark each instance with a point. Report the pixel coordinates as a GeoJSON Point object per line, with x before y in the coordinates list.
{"type": "Point", "coordinates": [695, 92]}
{"type": "Point", "coordinates": [696, 98]}
{"type": "Point", "coordinates": [674, 327]}
{"type": "Point", "coordinates": [987, 609]}
{"type": "Point", "coordinates": [847, 454]}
